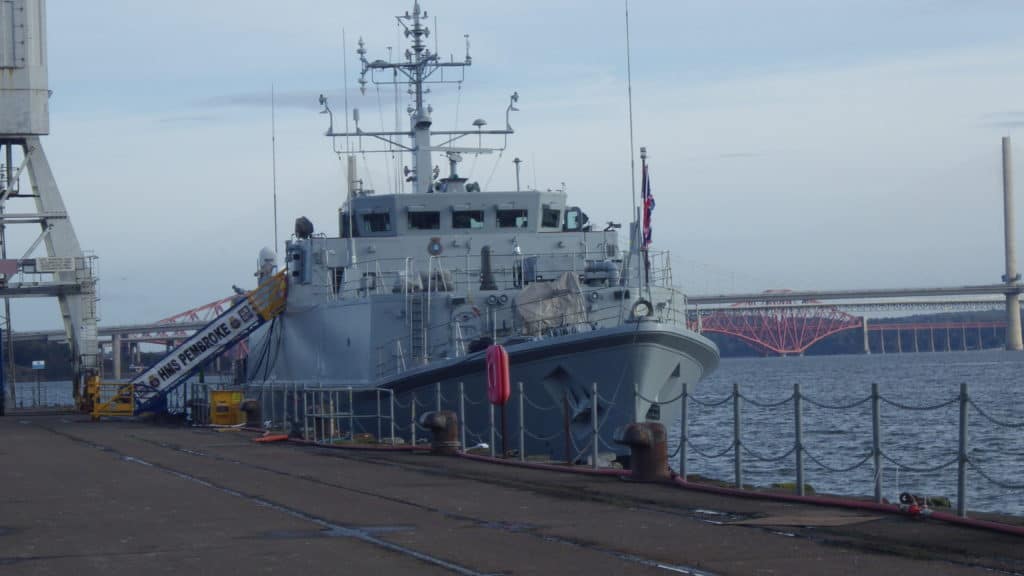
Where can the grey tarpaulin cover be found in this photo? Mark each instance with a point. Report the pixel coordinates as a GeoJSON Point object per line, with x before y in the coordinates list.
{"type": "Point", "coordinates": [544, 305]}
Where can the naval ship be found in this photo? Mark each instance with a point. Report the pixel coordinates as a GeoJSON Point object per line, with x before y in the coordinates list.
{"type": "Point", "coordinates": [415, 286]}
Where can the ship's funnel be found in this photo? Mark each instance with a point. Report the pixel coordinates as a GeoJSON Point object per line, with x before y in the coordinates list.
{"type": "Point", "coordinates": [486, 274]}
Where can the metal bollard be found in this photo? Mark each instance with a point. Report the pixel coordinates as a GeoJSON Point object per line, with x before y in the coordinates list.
{"type": "Point", "coordinates": [251, 408]}
{"type": "Point", "coordinates": [444, 429]}
{"type": "Point", "coordinates": [648, 446]}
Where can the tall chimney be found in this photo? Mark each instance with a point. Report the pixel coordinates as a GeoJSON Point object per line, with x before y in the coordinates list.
{"type": "Point", "coordinates": [1013, 332]}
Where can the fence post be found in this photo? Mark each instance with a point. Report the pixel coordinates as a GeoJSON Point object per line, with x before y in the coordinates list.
{"type": "Point", "coordinates": [462, 414]}
{"type": "Point", "coordinates": [593, 424]}
{"type": "Point", "coordinates": [522, 426]}
{"type": "Point", "coordinates": [798, 419]}
{"type": "Point", "coordinates": [412, 418]}
{"type": "Point", "coordinates": [273, 406]}
{"type": "Point", "coordinates": [379, 417]}
{"type": "Point", "coordinates": [876, 440]}
{"type": "Point", "coordinates": [305, 414]}
{"type": "Point", "coordinates": [351, 416]}
{"type": "Point", "coordinates": [295, 405]}
{"type": "Point", "coordinates": [492, 428]}
{"type": "Point", "coordinates": [284, 406]}
{"type": "Point", "coordinates": [335, 424]}
{"type": "Point", "coordinates": [438, 392]}
{"type": "Point", "coordinates": [320, 423]}
{"type": "Point", "coordinates": [737, 430]}
{"type": "Point", "coordinates": [684, 431]}
{"type": "Point", "coordinates": [392, 417]}
{"type": "Point", "coordinates": [961, 477]}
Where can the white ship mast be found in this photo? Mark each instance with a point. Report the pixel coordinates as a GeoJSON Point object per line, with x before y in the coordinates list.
{"type": "Point", "coordinates": [420, 68]}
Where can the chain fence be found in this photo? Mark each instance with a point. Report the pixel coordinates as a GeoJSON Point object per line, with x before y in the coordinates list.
{"type": "Point", "coordinates": [878, 453]}
{"type": "Point", "coordinates": [346, 414]}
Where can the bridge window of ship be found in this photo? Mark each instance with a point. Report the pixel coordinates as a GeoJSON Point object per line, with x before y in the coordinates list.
{"type": "Point", "coordinates": [550, 217]}
{"type": "Point", "coordinates": [576, 220]}
{"type": "Point", "coordinates": [473, 219]}
{"type": "Point", "coordinates": [512, 219]}
{"type": "Point", "coordinates": [424, 220]}
{"type": "Point", "coordinates": [377, 222]}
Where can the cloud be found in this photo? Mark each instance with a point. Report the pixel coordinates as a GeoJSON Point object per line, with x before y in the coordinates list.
{"type": "Point", "coordinates": [1006, 119]}
{"type": "Point", "coordinates": [190, 119]}
{"type": "Point", "coordinates": [301, 99]}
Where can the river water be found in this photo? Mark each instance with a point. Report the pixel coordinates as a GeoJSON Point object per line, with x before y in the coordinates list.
{"type": "Point", "coordinates": [840, 438]}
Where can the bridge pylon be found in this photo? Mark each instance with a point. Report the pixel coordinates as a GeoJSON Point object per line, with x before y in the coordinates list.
{"type": "Point", "coordinates": [1012, 278]}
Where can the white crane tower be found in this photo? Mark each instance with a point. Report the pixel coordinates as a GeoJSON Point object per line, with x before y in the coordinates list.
{"type": "Point", "coordinates": [64, 271]}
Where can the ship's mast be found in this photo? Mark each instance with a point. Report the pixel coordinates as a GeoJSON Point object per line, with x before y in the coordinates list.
{"type": "Point", "coordinates": [420, 68]}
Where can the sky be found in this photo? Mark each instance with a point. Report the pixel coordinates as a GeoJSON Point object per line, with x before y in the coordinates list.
{"type": "Point", "coordinates": [793, 144]}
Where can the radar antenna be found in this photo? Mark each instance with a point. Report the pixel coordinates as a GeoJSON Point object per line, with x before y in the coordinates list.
{"type": "Point", "coordinates": [420, 68]}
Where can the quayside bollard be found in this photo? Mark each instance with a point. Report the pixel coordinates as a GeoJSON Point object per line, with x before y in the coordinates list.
{"type": "Point", "coordinates": [251, 407]}
{"type": "Point", "coordinates": [444, 430]}
{"type": "Point", "coordinates": [648, 446]}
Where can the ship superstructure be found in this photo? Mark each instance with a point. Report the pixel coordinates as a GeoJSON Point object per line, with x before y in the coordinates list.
{"type": "Point", "coordinates": [416, 285]}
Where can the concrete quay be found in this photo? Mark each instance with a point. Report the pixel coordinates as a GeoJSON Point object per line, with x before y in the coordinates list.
{"type": "Point", "coordinates": [78, 497]}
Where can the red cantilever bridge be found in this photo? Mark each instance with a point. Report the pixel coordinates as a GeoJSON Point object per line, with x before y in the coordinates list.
{"type": "Point", "coordinates": [777, 326]}
{"type": "Point", "coordinates": [787, 322]}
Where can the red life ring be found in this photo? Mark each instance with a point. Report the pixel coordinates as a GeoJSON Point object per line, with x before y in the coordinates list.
{"type": "Point", "coordinates": [498, 386]}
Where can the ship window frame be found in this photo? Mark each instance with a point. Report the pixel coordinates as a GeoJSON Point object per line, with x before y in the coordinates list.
{"type": "Point", "coordinates": [372, 220]}
{"type": "Point", "coordinates": [456, 214]}
{"type": "Point", "coordinates": [434, 222]}
{"type": "Point", "coordinates": [516, 214]}
{"type": "Point", "coordinates": [550, 217]}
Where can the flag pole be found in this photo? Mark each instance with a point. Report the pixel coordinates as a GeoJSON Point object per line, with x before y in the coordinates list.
{"type": "Point", "coordinates": [645, 219]}
{"type": "Point", "coordinates": [637, 233]}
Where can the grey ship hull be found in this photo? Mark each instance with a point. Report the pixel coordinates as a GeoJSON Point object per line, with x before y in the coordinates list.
{"type": "Point", "coordinates": [633, 365]}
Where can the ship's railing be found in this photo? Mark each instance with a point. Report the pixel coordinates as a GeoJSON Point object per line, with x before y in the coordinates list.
{"type": "Point", "coordinates": [499, 320]}
{"type": "Point", "coordinates": [463, 273]}
{"type": "Point", "coordinates": [332, 415]}
{"type": "Point", "coordinates": [325, 413]}
{"type": "Point", "coordinates": [867, 452]}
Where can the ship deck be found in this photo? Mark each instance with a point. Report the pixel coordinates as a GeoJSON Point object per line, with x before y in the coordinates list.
{"type": "Point", "coordinates": [127, 498]}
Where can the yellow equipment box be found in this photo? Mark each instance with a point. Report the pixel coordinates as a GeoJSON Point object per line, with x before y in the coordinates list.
{"type": "Point", "coordinates": [226, 407]}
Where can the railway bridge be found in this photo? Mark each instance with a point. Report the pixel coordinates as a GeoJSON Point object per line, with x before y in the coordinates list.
{"type": "Point", "coordinates": [788, 322]}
